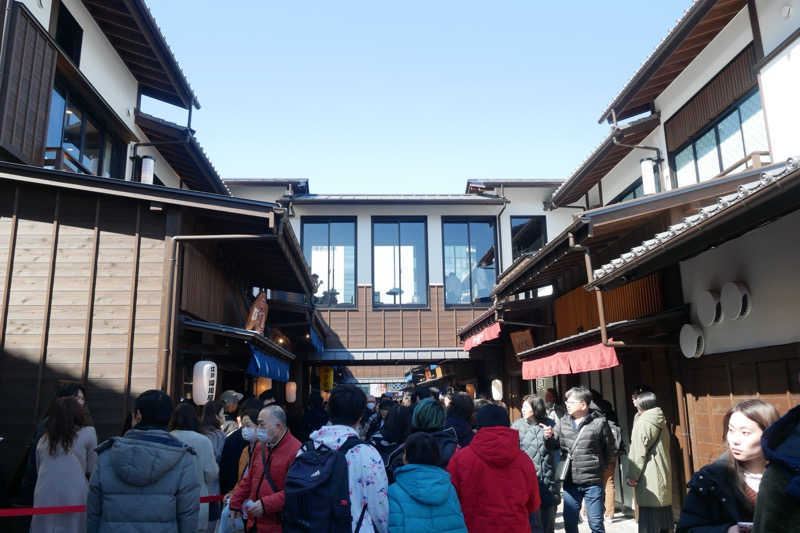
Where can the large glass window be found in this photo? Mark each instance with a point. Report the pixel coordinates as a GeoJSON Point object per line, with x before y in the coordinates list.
{"type": "Point", "coordinates": [469, 260]}
{"type": "Point", "coordinates": [528, 234]}
{"type": "Point", "coordinates": [329, 246]}
{"type": "Point", "coordinates": [738, 132]}
{"type": "Point", "coordinates": [399, 261]}
{"type": "Point", "coordinates": [631, 192]}
{"type": "Point", "coordinates": [76, 142]}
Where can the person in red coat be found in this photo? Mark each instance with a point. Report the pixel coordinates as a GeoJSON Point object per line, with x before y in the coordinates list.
{"type": "Point", "coordinates": [495, 480]}
{"type": "Point", "coordinates": [254, 494]}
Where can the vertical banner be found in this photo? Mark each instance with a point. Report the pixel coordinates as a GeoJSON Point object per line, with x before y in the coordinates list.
{"type": "Point", "coordinates": [326, 378]}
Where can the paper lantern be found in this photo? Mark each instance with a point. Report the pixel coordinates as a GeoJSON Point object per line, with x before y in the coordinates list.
{"type": "Point", "coordinates": [291, 392]}
{"type": "Point", "coordinates": [204, 382]}
{"type": "Point", "coordinates": [262, 384]}
{"type": "Point", "coordinates": [497, 390]}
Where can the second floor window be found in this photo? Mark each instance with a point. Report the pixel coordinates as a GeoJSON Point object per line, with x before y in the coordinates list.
{"type": "Point", "coordinates": [735, 134]}
{"type": "Point", "coordinates": [76, 142]}
{"type": "Point", "coordinates": [528, 234]}
{"type": "Point", "coordinates": [329, 246]}
{"type": "Point", "coordinates": [399, 261]}
{"type": "Point", "coordinates": [469, 260]}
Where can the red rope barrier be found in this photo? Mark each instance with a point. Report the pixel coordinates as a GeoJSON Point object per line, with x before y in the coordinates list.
{"type": "Point", "coordinates": [29, 511]}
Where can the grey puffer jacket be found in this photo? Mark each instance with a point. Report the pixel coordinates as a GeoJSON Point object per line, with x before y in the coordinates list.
{"type": "Point", "coordinates": [533, 443]}
{"type": "Point", "coordinates": [145, 481]}
{"type": "Point", "coordinates": [594, 450]}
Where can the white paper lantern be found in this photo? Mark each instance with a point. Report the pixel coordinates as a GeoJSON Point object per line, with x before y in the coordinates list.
{"type": "Point", "coordinates": [497, 390]}
{"type": "Point", "coordinates": [291, 392]}
{"type": "Point", "coordinates": [204, 382]}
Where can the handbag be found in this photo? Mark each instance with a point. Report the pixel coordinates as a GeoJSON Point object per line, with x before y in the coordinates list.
{"type": "Point", "coordinates": [565, 465]}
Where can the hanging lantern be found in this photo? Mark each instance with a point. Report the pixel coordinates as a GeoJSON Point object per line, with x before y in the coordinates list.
{"type": "Point", "coordinates": [204, 382]}
{"type": "Point", "coordinates": [291, 392]}
{"type": "Point", "coordinates": [497, 390]}
{"type": "Point", "coordinates": [326, 378]}
{"type": "Point", "coordinates": [262, 384]}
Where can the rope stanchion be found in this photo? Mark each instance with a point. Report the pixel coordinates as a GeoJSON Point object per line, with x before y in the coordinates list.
{"type": "Point", "coordinates": [66, 509]}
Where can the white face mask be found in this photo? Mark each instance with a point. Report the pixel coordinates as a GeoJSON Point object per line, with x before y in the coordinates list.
{"type": "Point", "coordinates": [249, 434]}
{"type": "Point", "coordinates": [370, 406]}
{"type": "Point", "coordinates": [262, 435]}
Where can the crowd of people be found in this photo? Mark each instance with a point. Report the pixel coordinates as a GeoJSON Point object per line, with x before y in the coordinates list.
{"type": "Point", "coordinates": [429, 462]}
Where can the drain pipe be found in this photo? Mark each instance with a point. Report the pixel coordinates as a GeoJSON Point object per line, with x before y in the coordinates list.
{"type": "Point", "coordinates": [499, 233]}
{"type": "Point", "coordinates": [615, 128]}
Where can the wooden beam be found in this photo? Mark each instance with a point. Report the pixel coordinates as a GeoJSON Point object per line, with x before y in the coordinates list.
{"type": "Point", "coordinates": [87, 338]}
{"type": "Point", "coordinates": [758, 42]}
{"type": "Point", "coordinates": [47, 306]}
{"type": "Point", "coordinates": [132, 310]}
{"type": "Point", "coordinates": [12, 243]}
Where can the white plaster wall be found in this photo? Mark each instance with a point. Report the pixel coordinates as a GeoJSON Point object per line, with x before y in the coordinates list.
{"type": "Point", "coordinates": [766, 260]}
{"type": "Point", "coordinates": [629, 169]}
{"type": "Point", "coordinates": [42, 13]}
{"type": "Point", "coordinates": [774, 26]}
{"type": "Point", "coordinates": [780, 78]}
{"type": "Point", "coordinates": [262, 193]}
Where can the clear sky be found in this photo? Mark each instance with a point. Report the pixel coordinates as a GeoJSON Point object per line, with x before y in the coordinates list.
{"type": "Point", "coordinates": [405, 97]}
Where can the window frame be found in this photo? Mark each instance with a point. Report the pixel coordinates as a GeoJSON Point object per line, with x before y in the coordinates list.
{"type": "Point", "coordinates": [712, 125]}
{"type": "Point", "coordinates": [328, 219]}
{"type": "Point", "coordinates": [511, 229]}
{"type": "Point", "coordinates": [467, 219]}
{"type": "Point", "coordinates": [398, 219]}
{"type": "Point", "coordinates": [638, 182]}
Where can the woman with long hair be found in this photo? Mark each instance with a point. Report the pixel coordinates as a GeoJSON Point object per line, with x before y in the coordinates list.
{"type": "Point", "coordinates": [211, 426]}
{"type": "Point", "coordinates": [65, 458]}
{"type": "Point", "coordinates": [723, 494]}
{"type": "Point", "coordinates": [184, 426]}
{"type": "Point", "coordinates": [649, 467]}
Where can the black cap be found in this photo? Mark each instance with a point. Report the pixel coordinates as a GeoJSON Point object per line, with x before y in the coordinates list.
{"type": "Point", "coordinates": [491, 415]}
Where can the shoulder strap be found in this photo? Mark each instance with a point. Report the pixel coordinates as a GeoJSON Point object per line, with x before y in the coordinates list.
{"type": "Point", "coordinates": [360, 518]}
{"type": "Point", "coordinates": [267, 462]}
{"type": "Point", "coordinates": [655, 442]}
{"type": "Point", "coordinates": [575, 444]}
{"type": "Point", "coordinates": [351, 442]}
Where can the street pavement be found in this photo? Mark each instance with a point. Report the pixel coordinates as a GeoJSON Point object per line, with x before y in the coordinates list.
{"type": "Point", "coordinates": [620, 524]}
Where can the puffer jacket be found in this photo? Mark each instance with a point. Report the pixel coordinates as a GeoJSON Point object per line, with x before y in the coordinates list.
{"type": "Point", "coordinates": [595, 448]}
{"type": "Point", "coordinates": [255, 486]}
{"type": "Point", "coordinates": [423, 499]}
{"type": "Point", "coordinates": [648, 458]}
{"type": "Point", "coordinates": [495, 481]}
{"type": "Point", "coordinates": [778, 505]}
{"type": "Point", "coordinates": [713, 503]}
{"type": "Point", "coordinates": [533, 443]}
{"type": "Point", "coordinates": [144, 482]}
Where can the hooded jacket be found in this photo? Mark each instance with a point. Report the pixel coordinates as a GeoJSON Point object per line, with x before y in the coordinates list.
{"type": "Point", "coordinates": [463, 429]}
{"type": "Point", "coordinates": [254, 485]}
{"type": "Point", "coordinates": [594, 450]}
{"type": "Point", "coordinates": [778, 505]}
{"type": "Point", "coordinates": [649, 459]}
{"type": "Point", "coordinates": [713, 503]}
{"type": "Point", "coordinates": [366, 476]}
{"type": "Point", "coordinates": [533, 443]}
{"type": "Point", "coordinates": [423, 499]}
{"type": "Point", "coordinates": [495, 481]}
{"type": "Point", "coordinates": [144, 482]}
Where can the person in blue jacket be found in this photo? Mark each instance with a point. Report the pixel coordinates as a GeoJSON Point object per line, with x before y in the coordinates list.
{"type": "Point", "coordinates": [422, 498]}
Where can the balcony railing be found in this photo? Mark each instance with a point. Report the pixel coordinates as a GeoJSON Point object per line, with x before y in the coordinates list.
{"type": "Point", "coordinates": [59, 159]}
{"type": "Point", "coordinates": [751, 161]}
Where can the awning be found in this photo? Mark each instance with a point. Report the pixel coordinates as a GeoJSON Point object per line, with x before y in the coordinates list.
{"type": "Point", "coordinates": [486, 334]}
{"type": "Point", "coordinates": [244, 335]}
{"type": "Point", "coordinates": [587, 359]}
{"type": "Point", "coordinates": [265, 366]}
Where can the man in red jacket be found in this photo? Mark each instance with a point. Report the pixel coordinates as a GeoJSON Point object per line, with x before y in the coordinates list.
{"type": "Point", "coordinates": [260, 492]}
{"type": "Point", "coordinates": [495, 480]}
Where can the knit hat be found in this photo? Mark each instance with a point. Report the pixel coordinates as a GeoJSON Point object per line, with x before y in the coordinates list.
{"type": "Point", "coordinates": [491, 415]}
{"type": "Point", "coordinates": [428, 415]}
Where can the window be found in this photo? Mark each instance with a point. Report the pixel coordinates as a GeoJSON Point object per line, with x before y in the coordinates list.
{"type": "Point", "coordinates": [329, 246]}
{"type": "Point", "coordinates": [528, 234]}
{"type": "Point", "coordinates": [399, 261]}
{"type": "Point", "coordinates": [634, 190]}
{"type": "Point", "coordinates": [469, 260]}
{"type": "Point", "coordinates": [69, 34]}
{"type": "Point", "coordinates": [738, 132]}
{"type": "Point", "coordinates": [76, 142]}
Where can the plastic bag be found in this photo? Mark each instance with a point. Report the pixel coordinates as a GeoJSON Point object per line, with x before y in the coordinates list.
{"type": "Point", "coordinates": [225, 525]}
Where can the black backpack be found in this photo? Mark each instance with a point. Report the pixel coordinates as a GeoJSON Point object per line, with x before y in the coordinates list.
{"type": "Point", "coordinates": [317, 491]}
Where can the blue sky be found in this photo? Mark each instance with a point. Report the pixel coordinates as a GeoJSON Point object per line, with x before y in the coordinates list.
{"type": "Point", "coordinates": [405, 97]}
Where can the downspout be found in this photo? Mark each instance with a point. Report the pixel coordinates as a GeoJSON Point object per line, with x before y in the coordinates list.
{"type": "Point", "coordinates": [499, 232]}
{"type": "Point", "coordinates": [657, 150]}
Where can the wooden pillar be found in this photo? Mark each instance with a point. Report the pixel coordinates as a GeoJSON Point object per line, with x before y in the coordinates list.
{"type": "Point", "coordinates": [87, 337]}
{"type": "Point", "coordinates": [12, 243]}
{"type": "Point", "coordinates": [132, 309]}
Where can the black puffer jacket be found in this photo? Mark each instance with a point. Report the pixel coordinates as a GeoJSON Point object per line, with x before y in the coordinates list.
{"type": "Point", "coordinates": [533, 443]}
{"type": "Point", "coordinates": [713, 503]}
{"type": "Point", "coordinates": [594, 450]}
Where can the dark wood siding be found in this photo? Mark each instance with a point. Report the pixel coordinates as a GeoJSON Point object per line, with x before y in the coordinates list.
{"type": "Point", "coordinates": [367, 327]}
{"type": "Point", "coordinates": [80, 302]}
{"type": "Point", "coordinates": [716, 96]}
{"type": "Point", "coordinates": [30, 64]}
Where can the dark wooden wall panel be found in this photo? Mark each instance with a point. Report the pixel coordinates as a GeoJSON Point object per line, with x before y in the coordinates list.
{"type": "Point", "coordinates": [730, 84]}
{"type": "Point", "coordinates": [204, 290]}
{"type": "Point", "coordinates": [27, 82]}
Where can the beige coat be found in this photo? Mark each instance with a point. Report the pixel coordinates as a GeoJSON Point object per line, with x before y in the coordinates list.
{"type": "Point", "coordinates": [649, 459]}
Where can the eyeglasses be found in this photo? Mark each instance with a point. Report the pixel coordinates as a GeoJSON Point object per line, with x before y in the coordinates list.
{"type": "Point", "coordinates": [573, 402]}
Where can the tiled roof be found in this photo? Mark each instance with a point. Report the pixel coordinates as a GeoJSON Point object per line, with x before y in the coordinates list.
{"type": "Point", "coordinates": [397, 198]}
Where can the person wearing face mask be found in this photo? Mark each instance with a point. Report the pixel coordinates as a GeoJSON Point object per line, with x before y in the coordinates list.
{"type": "Point", "coordinates": [722, 495]}
{"type": "Point", "coordinates": [236, 450]}
{"type": "Point", "coordinates": [260, 492]}
{"type": "Point", "coordinates": [184, 426]}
